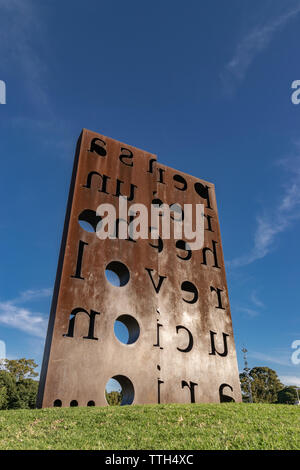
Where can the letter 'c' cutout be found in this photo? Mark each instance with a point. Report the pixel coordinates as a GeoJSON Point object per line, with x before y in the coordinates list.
{"type": "Point", "coordinates": [191, 341]}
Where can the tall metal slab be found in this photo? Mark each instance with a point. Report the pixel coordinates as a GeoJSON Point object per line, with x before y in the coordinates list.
{"type": "Point", "coordinates": [174, 300]}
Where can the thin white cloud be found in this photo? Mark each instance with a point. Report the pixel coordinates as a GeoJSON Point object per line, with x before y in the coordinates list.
{"type": "Point", "coordinates": [19, 23]}
{"type": "Point", "coordinates": [253, 310]}
{"type": "Point", "coordinates": [278, 219]}
{"type": "Point", "coordinates": [13, 315]}
{"type": "Point", "coordinates": [22, 319]}
{"type": "Point", "coordinates": [249, 311]}
{"type": "Point", "coordinates": [282, 360]}
{"type": "Point", "coordinates": [252, 44]}
{"type": "Point", "coordinates": [255, 300]}
{"type": "Point", "coordinates": [22, 33]}
{"type": "Point", "coordinates": [33, 294]}
{"type": "Point", "coordinates": [290, 380]}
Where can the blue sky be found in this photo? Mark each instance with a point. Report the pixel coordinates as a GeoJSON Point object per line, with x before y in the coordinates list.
{"type": "Point", "coordinates": [205, 85]}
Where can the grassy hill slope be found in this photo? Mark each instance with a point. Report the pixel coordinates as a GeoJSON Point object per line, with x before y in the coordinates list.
{"type": "Point", "coordinates": [197, 426]}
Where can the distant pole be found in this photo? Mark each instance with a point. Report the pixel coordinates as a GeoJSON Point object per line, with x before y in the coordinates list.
{"type": "Point", "coordinates": [247, 370]}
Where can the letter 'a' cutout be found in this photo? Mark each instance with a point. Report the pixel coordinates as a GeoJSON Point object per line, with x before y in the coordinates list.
{"type": "Point", "coordinates": [225, 398]}
{"type": "Point", "coordinates": [150, 314]}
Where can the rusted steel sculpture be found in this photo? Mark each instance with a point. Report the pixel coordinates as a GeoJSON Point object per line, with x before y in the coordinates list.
{"type": "Point", "coordinates": [173, 300]}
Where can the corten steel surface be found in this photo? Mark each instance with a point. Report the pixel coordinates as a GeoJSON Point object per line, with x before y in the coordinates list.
{"type": "Point", "coordinates": [185, 351]}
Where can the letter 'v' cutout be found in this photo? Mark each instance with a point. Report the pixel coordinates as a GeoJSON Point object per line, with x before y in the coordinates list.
{"type": "Point", "coordinates": [161, 279]}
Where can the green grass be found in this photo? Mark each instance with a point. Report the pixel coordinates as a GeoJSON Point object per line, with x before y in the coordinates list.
{"type": "Point", "coordinates": [197, 426]}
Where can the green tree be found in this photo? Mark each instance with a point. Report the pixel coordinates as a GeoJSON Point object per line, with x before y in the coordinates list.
{"type": "Point", "coordinates": [113, 398]}
{"type": "Point", "coordinates": [10, 397]}
{"type": "Point", "coordinates": [27, 391]}
{"type": "Point", "coordinates": [288, 395]}
{"type": "Point", "coordinates": [20, 369]}
{"type": "Point", "coordinates": [17, 387]}
{"type": "Point", "coordinates": [265, 384]}
{"type": "Point", "coordinates": [3, 397]}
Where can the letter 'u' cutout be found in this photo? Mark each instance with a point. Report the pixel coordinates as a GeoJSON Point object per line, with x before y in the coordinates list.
{"type": "Point", "coordinates": [213, 348]}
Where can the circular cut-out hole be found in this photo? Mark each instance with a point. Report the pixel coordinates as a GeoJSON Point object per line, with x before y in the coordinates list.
{"type": "Point", "coordinates": [113, 392]}
{"type": "Point", "coordinates": [119, 391]}
{"type": "Point", "coordinates": [117, 273]}
{"type": "Point", "coordinates": [74, 403]}
{"type": "Point", "coordinates": [57, 403]}
{"type": "Point", "coordinates": [88, 220]}
{"type": "Point", "coordinates": [91, 403]}
{"type": "Point", "coordinates": [126, 329]}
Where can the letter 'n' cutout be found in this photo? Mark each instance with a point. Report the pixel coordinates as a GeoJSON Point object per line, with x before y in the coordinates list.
{"type": "Point", "coordinates": [91, 316]}
{"type": "Point", "coordinates": [103, 180]}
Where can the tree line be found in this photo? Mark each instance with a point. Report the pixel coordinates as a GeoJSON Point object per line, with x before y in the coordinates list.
{"type": "Point", "coordinates": [18, 389]}
{"type": "Point", "coordinates": [18, 386]}
{"type": "Point", "coordinates": [266, 387]}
